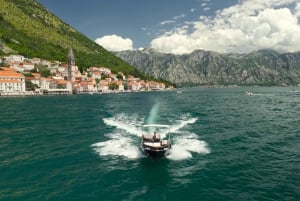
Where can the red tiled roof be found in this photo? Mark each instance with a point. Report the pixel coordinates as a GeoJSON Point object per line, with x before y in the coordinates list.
{"type": "Point", "coordinates": [86, 83]}
{"type": "Point", "coordinates": [7, 69]}
{"type": "Point", "coordinates": [36, 74]}
{"type": "Point", "coordinates": [61, 81]}
{"type": "Point", "coordinates": [10, 81]}
{"type": "Point", "coordinates": [9, 73]}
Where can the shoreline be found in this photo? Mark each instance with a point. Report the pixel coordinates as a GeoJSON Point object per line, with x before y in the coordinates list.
{"type": "Point", "coordinates": [31, 93]}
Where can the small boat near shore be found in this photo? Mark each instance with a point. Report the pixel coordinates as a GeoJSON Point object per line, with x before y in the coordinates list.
{"type": "Point", "coordinates": [249, 93]}
{"type": "Point", "coordinates": [156, 140]}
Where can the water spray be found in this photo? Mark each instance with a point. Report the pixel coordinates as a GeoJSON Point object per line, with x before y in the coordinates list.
{"type": "Point", "coordinates": [153, 114]}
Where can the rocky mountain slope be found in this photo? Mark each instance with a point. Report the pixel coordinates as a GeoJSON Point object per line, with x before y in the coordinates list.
{"type": "Point", "coordinates": [265, 67]}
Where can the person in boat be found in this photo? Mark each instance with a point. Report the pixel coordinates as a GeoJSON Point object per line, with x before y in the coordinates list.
{"type": "Point", "coordinates": [155, 138]}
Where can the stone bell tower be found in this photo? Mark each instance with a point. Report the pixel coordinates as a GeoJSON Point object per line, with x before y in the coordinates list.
{"type": "Point", "coordinates": [71, 65]}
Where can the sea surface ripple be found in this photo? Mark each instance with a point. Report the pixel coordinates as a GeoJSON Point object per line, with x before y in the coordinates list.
{"type": "Point", "coordinates": [226, 146]}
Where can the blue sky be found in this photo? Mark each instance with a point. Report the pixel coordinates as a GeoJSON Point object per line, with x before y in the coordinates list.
{"type": "Point", "coordinates": [178, 26]}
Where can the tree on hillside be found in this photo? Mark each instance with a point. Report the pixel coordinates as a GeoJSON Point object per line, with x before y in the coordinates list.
{"type": "Point", "coordinates": [44, 71]}
{"type": "Point", "coordinates": [113, 86]}
{"type": "Point", "coordinates": [119, 76]}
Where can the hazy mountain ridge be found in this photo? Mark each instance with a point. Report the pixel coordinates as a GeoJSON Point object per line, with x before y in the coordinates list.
{"type": "Point", "coordinates": [264, 67]}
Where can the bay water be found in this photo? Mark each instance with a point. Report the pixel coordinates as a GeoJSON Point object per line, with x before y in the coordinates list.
{"type": "Point", "coordinates": [226, 146]}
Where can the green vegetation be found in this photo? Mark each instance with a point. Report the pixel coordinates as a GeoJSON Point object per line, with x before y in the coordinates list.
{"type": "Point", "coordinates": [27, 74]}
{"type": "Point", "coordinates": [44, 71]}
{"type": "Point", "coordinates": [113, 86]}
{"type": "Point", "coordinates": [30, 86]}
{"type": "Point", "coordinates": [29, 29]}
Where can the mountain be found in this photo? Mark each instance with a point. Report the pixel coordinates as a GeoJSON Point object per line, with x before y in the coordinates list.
{"type": "Point", "coordinates": [264, 67]}
{"type": "Point", "coordinates": [29, 29]}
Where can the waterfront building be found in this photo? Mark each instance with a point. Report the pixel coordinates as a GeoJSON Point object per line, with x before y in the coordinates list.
{"type": "Point", "coordinates": [11, 82]}
{"type": "Point", "coordinates": [87, 86]}
{"type": "Point", "coordinates": [35, 79]}
{"type": "Point", "coordinates": [45, 83]}
{"type": "Point", "coordinates": [120, 85]}
{"type": "Point", "coordinates": [103, 86]}
{"type": "Point", "coordinates": [134, 86]}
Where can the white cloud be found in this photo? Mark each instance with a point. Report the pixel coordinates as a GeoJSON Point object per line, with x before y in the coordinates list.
{"type": "Point", "coordinates": [247, 26]}
{"type": "Point", "coordinates": [206, 5]}
{"type": "Point", "coordinates": [206, 8]}
{"type": "Point", "coordinates": [297, 10]}
{"type": "Point", "coordinates": [167, 22]}
{"type": "Point", "coordinates": [179, 16]}
{"type": "Point", "coordinates": [115, 43]}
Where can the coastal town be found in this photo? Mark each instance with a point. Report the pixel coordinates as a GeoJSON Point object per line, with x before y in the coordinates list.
{"type": "Point", "coordinates": [20, 76]}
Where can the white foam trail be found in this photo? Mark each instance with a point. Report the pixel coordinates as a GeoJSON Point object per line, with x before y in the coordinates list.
{"type": "Point", "coordinates": [121, 142]}
{"type": "Point", "coordinates": [178, 153]}
{"type": "Point", "coordinates": [124, 142]}
{"type": "Point", "coordinates": [124, 126]}
{"type": "Point", "coordinates": [182, 124]}
{"type": "Point", "coordinates": [185, 144]}
{"type": "Point", "coordinates": [118, 146]}
{"type": "Point", "coordinates": [125, 123]}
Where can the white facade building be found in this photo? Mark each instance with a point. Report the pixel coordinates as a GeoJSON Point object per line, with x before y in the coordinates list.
{"type": "Point", "coordinates": [45, 83]}
{"type": "Point", "coordinates": [15, 58]}
{"type": "Point", "coordinates": [11, 82]}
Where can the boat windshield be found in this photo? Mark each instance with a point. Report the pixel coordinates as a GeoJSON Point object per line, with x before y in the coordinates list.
{"type": "Point", "coordinates": [161, 131]}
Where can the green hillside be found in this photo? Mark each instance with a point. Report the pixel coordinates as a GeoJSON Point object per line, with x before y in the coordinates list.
{"type": "Point", "coordinates": [29, 29]}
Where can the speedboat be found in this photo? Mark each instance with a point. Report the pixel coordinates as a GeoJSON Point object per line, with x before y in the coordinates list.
{"type": "Point", "coordinates": [249, 93]}
{"type": "Point", "coordinates": [156, 140]}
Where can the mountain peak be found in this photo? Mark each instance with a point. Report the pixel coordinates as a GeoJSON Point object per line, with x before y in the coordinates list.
{"type": "Point", "coordinates": [264, 67]}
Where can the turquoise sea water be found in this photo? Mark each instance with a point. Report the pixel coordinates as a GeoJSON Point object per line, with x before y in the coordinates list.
{"type": "Point", "coordinates": [226, 146]}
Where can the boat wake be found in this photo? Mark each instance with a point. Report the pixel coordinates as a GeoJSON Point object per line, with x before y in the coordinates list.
{"type": "Point", "coordinates": [124, 140]}
{"type": "Point", "coordinates": [184, 144]}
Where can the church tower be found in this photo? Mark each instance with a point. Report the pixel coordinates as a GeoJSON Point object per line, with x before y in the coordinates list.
{"type": "Point", "coordinates": [71, 64]}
